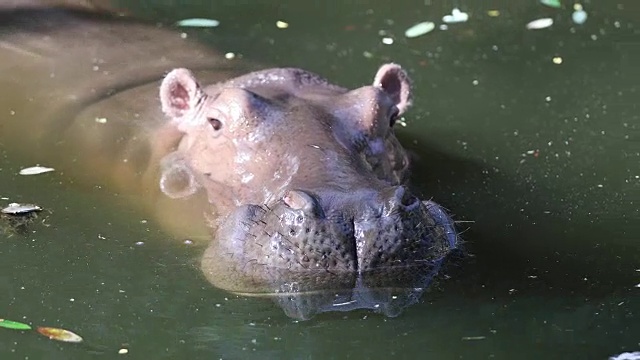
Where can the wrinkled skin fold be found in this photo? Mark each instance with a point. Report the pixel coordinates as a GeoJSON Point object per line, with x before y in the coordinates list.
{"type": "Point", "coordinates": [307, 180]}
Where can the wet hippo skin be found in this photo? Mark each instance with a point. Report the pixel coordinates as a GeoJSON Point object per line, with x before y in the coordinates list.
{"type": "Point", "coordinates": [300, 183]}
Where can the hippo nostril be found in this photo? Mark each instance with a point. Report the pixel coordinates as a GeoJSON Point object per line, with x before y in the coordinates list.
{"type": "Point", "coordinates": [397, 198]}
{"type": "Point", "coordinates": [406, 198]}
{"type": "Point", "coordinates": [300, 200]}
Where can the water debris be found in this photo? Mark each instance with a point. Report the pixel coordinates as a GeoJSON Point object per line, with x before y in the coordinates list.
{"type": "Point", "coordinates": [35, 170]}
{"type": "Point", "coordinates": [493, 13]}
{"type": "Point", "coordinates": [540, 24]}
{"type": "Point", "coordinates": [123, 351]}
{"type": "Point", "coordinates": [551, 3]}
{"type": "Point", "coordinates": [20, 209]}
{"type": "Point", "coordinates": [14, 325]}
{"type": "Point", "coordinates": [16, 218]}
{"type": "Point", "coordinates": [557, 60]}
{"type": "Point", "coordinates": [282, 24]}
{"type": "Point", "coordinates": [579, 16]}
{"type": "Point", "coordinates": [456, 16]}
{"type": "Point", "coordinates": [198, 22]}
{"type": "Point", "coordinates": [59, 334]}
{"type": "Point", "coordinates": [467, 338]}
{"type": "Point", "coordinates": [420, 29]}
{"type": "Point", "coordinates": [626, 356]}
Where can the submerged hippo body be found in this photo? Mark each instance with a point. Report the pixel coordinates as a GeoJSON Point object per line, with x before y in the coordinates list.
{"type": "Point", "coordinates": [301, 182]}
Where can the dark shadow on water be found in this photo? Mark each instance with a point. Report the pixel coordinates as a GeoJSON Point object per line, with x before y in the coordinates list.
{"type": "Point", "coordinates": [537, 250]}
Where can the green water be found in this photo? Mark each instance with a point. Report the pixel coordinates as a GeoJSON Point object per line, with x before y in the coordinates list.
{"type": "Point", "coordinates": [540, 163]}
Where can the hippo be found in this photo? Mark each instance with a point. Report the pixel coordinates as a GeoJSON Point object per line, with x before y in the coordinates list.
{"type": "Point", "coordinates": [300, 185]}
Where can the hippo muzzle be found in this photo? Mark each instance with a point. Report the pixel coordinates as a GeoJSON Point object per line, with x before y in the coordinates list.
{"type": "Point", "coordinates": [335, 252]}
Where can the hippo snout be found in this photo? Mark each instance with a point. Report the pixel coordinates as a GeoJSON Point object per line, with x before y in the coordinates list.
{"type": "Point", "coordinates": [364, 247]}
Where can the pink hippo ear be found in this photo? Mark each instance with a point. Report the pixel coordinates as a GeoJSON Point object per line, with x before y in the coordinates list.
{"type": "Point", "coordinates": [179, 93]}
{"type": "Point", "coordinates": [396, 83]}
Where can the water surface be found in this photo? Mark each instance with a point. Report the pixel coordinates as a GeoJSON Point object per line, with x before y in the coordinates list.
{"type": "Point", "coordinates": [538, 161]}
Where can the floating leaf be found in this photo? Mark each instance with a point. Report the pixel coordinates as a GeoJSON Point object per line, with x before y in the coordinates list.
{"type": "Point", "coordinates": [420, 29]}
{"type": "Point", "coordinates": [551, 3]}
{"type": "Point", "coordinates": [540, 24]}
{"type": "Point", "coordinates": [14, 325]}
{"type": "Point", "coordinates": [35, 170]}
{"type": "Point", "coordinates": [626, 356]}
{"type": "Point", "coordinates": [59, 334]}
{"type": "Point", "coordinates": [456, 16]}
{"type": "Point", "coordinates": [20, 209]}
{"type": "Point", "coordinates": [467, 338]}
{"type": "Point", "coordinates": [198, 22]}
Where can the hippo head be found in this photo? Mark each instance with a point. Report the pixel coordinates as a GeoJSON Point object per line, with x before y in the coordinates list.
{"type": "Point", "coordinates": [307, 179]}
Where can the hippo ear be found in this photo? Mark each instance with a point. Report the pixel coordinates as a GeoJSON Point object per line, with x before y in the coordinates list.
{"type": "Point", "coordinates": [396, 83]}
{"type": "Point", "coordinates": [179, 93]}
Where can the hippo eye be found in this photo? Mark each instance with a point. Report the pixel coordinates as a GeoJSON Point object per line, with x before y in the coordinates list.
{"type": "Point", "coordinates": [395, 113]}
{"type": "Point", "coordinates": [215, 123]}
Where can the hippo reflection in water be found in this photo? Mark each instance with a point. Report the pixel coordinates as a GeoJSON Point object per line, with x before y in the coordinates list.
{"type": "Point", "coordinates": [308, 179]}
{"type": "Point", "coordinates": [303, 181]}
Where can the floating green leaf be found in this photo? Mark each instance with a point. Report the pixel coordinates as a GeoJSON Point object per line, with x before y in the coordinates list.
{"type": "Point", "coordinates": [419, 29]}
{"type": "Point", "coordinates": [551, 3]}
{"type": "Point", "coordinates": [198, 22]}
{"type": "Point", "coordinates": [14, 325]}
